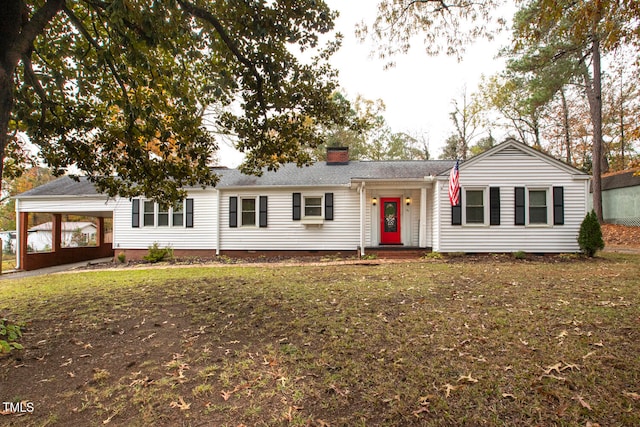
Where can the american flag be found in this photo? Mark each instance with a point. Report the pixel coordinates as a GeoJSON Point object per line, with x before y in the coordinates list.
{"type": "Point", "coordinates": [454, 185]}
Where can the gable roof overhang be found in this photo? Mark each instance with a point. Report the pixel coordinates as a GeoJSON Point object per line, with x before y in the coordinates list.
{"type": "Point", "coordinates": [405, 183]}
{"type": "Point", "coordinates": [512, 143]}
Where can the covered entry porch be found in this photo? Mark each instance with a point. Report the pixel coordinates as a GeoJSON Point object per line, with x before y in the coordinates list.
{"type": "Point", "coordinates": [395, 216]}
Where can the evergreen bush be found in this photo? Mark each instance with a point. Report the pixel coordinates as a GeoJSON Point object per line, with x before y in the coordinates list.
{"type": "Point", "coordinates": [590, 236]}
{"type": "Point", "coordinates": [157, 254]}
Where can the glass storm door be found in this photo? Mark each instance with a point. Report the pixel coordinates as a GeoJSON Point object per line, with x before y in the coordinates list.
{"type": "Point", "coordinates": [390, 221]}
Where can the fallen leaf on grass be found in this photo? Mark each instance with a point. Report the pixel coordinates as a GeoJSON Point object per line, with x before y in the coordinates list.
{"type": "Point", "coordinates": [226, 395]}
{"type": "Point", "coordinates": [552, 368]}
{"type": "Point", "coordinates": [634, 396]}
{"type": "Point", "coordinates": [555, 377]}
{"type": "Point", "coordinates": [182, 405]}
{"type": "Point", "coordinates": [558, 368]}
{"type": "Point", "coordinates": [509, 396]}
{"type": "Point", "coordinates": [417, 412]}
{"type": "Point", "coordinates": [570, 366]}
{"type": "Point", "coordinates": [582, 402]}
{"type": "Point", "coordinates": [467, 379]}
{"type": "Point", "coordinates": [449, 388]}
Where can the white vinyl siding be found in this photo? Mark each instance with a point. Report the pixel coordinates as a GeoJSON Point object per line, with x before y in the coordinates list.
{"type": "Point", "coordinates": [64, 204]}
{"type": "Point", "coordinates": [507, 169]}
{"type": "Point", "coordinates": [201, 236]}
{"type": "Point", "coordinates": [283, 233]}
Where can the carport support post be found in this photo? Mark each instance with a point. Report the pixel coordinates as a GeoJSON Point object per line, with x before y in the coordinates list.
{"type": "Point", "coordinates": [100, 233]}
{"type": "Point", "coordinates": [56, 232]}
{"type": "Point", "coordinates": [23, 235]}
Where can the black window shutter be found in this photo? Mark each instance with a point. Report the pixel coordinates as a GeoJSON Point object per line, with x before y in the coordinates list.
{"type": "Point", "coordinates": [456, 211]}
{"type": "Point", "coordinates": [233, 212]}
{"type": "Point", "coordinates": [558, 205]}
{"type": "Point", "coordinates": [297, 204]}
{"type": "Point", "coordinates": [263, 211]}
{"type": "Point", "coordinates": [494, 206]}
{"type": "Point", "coordinates": [189, 213]}
{"type": "Point", "coordinates": [519, 205]}
{"type": "Point", "coordinates": [135, 213]}
{"type": "Point", "coordinates": [328, 206]}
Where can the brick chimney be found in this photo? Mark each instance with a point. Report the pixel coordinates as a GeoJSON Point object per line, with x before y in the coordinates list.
{"type": "Point", "coordinates": [337, 155]}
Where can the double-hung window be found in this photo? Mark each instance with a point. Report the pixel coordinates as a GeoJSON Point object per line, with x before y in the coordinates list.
{"type": "Point", "coordinates": [248, 211]}
{"type": "Point", "coordinates": [248, 216]}
{"type": "Point", "coordinates": [313, 209]}
{"type": "Point", "coordinates": [538, 207]}
{"type": "Point", "coordinates": [178, 214]}
{"type": "Point", "coordinates": [161, 215]}
{"type": "Point", "coordinates": [474, 206]}
{"type": "Point", "coordinates": [149, 217]}
{"type": "Point", "coordinates": [312, 206]}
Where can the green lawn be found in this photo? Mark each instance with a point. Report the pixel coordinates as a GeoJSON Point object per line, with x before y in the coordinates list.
{"type": "Point", "coordinates": [461, 341]}
{"type": "Point", "coordinates": [8, 262]}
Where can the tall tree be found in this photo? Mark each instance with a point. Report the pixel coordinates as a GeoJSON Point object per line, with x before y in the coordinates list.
{"type": "Point", "coordinates": [29, 179]}
{"type": "Point", "coordinates": [119, 88]}
{"type": "Point", "coordinates": [466, 118]}
{"type": "Point", "coordinates": [447, 26]}
{"type": "Point", "coordinates": [580, 32]}
{"type": "Point", "coordinates": [451, 149]}
{"type": "Point", "coordinates": [621, 108]}
{"type": "Point", "coordinates": [483, 145]}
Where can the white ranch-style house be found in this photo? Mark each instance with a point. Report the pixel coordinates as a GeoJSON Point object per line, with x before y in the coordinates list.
{"type": "Point", "coordinates": [512, 198]}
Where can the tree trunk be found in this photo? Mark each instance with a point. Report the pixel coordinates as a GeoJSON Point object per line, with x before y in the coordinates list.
{"type": "Point", "coordinates": [536, 132]}
{"type": "Point", "coordinates": [594, 94]}
{"type": "Point", "coordinates": [6, 106]}
{"type": "Point", "coordinates": [17, 34]}
{"type": "Point", "coordinates": [622, 141]}
{"type": "Point", "coordinates": [10, 20]}
{"type": "Point", "coordinates": [565, 125]}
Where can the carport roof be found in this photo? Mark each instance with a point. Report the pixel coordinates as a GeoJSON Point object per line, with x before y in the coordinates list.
{"type": "Point", "coordinates": [63, 186]}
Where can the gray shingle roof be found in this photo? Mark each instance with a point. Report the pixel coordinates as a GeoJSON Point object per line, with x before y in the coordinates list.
{"type": "Point", "coordinates": [63, 186]}
{"type": "Point", "coordinates": [621, 180]}
{"type": "Point", "coordinates": [318, 174]}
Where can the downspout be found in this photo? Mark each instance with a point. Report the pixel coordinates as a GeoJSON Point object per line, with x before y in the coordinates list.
{"type": "Point", "coordinates": [217, 237]}
{"type": "Point", "coordinates": [362, 212]}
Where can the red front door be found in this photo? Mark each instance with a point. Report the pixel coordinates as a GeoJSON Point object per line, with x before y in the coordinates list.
{"type": "Point", "coordinates": [390, 221]}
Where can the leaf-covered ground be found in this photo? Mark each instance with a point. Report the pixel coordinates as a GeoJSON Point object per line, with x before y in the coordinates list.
{"type": "Point", "coordinates": [461, 341]}
{"type": "Point", "coordinates": [616, 235]}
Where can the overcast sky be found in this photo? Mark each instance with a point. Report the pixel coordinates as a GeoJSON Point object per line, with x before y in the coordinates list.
{"type": "Point", "coordinates": [417, 92]}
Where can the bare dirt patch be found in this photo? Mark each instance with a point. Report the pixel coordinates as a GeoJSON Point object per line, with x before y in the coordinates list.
{"type": "Point", "coordinates": [467, 341]}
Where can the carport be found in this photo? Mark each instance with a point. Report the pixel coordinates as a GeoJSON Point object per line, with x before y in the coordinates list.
{"type": "Point", "coordinates": [55, 200]}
